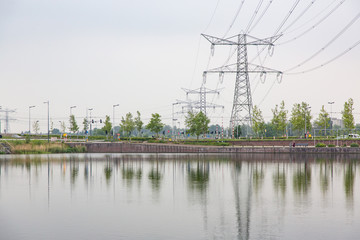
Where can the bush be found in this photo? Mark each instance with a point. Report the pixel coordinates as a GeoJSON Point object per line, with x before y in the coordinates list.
{"type": "Point", "coordinates": [344, 145]}
{"type": "Point", "coordinates": [320, 145]}
{"type": "Point", "coordinates": [354, 145]}
{"type": "Point", "coordinates": [331, 145]}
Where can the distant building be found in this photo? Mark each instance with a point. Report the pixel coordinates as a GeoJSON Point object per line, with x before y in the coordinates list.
{"type": "Point", "coordinates": [338, 122]}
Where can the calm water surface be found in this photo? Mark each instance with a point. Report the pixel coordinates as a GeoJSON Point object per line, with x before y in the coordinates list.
{"type": "Point", "coordinates": [150, 196]}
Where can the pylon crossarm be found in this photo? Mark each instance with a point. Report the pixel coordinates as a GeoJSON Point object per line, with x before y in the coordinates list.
{"type": "Point", "coordinates": [219, 41]}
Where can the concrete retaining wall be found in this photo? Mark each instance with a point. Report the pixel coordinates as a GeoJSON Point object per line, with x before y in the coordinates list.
{"type": "Point", "coordinates": [121, 147]}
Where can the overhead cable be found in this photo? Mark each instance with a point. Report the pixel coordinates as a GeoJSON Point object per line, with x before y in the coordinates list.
{"type": "Point", "coordinates": [327, 62]}
{"type": "Point", "coordinates": [328, 44]}
{"type": "Point", "coordinates": [235, 17]}
{"type": "Point", "coordinates": [315, 25]}
{"type": "Point", "coordinates": [254, 15]}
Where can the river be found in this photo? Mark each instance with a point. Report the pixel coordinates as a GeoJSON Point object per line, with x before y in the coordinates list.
{"type": "Point", "coordinates": [179, 196]}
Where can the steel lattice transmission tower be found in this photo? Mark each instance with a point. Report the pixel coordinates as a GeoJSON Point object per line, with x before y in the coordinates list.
{"type": "Point", "coordinates": [242, 103]}
{"type": "Point", "coordinates": [7, 119]}
{"type": "Point", "coordinates": [202, 105]}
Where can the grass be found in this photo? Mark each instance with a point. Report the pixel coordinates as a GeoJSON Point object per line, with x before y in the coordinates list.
{"type": "Point", "coordinates": [41, 147]}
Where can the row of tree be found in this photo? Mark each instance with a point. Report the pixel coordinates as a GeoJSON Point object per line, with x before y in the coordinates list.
{"type": "Point", "coordinates": [300, 118]}
{"type": "Point", "coordinates": [198, 123]}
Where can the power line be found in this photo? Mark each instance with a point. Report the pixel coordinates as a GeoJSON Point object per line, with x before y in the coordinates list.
{"type": "Point", "coordinates": [254, 15]}
{"type": "Point", "coordinates": [261, 16]}
{"type": "Point", "coordinates": [328, 44]}
{"type": "Point", "coordinates": [313, 26]}
{"type": "Point", "coordinates": [287, 17]}
{"type": "Point", "coordinates": [327, 62]}
{"type": "Point", "coordinates": [235, 17]}
{"type": "Point", "coordinates": [300, 15]}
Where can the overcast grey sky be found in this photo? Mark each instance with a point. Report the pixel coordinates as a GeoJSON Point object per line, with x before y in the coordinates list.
{"type": "Point", "coordinates": [139, 54]}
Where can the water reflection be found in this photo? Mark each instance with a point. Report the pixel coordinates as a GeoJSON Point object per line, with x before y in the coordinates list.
{"type": "Point", "coordinates": [302, 178]}
{"type": "Point", "coordinates": [219, 196]}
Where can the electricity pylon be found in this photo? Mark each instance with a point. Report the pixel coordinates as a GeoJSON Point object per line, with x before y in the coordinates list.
{"type": "Point", "coordinates": [7, 119]}
{"type": "Point", "coordinates": [242, 104]}
{"type": "Point", "coordinates": [202, 105]}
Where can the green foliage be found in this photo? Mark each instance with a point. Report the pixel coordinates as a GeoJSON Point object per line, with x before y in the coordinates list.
{"type": "Point", "coordinates": [279, 119]}
{"type": "Point", "coordinates": [207, 143]}
{"type": "Point", "coordinates": [73, 125]}
{"type": "Point", "coordinates": [27, 139]}
{"type": "Point", "coordinates": [347, 114]}
{"type": "Point", "coordinates": [354, 145]}
{"type": "Point", "coordinates": [138, 123]}
{"type": "Point", "coordinates": [155, 124]}
{"type": "Point", "coordinates": [237, 131]}
{"type": "Point", "coordinates": [85, 124]}
{"type": "Point", "coordinates": [258, 121]}
{"type": "Point", "coordinates": [298, 113]}
{"type": "Point", "coordinates": [127, 124]}
{"type": "Point", "coordinates": [323, 120]}
{"type": "Point", "coordinates": [107, 126]}
{"type": "Point", "coordinates": [320, 145]}
{"type": "Point", "coordinates": [197, 123]}
{"type": "Point", "coordinates": [331, 145]}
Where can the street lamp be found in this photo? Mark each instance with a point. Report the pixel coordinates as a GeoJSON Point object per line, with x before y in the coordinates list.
{"type": "Point", "coordinates": [331, 103]}
{"type": "Point", "coordinates": [48, 103]}
{"type": "Point", "coordinates": [113, 125]}
{"type": "Point", "coordinates": [72, 108]}
{"type": "Point", "coordinates": [306, 108]}
{"type": "Point", "coordinates": [30, 107]}
{"type": "Point", "coordinates": [90, 109]}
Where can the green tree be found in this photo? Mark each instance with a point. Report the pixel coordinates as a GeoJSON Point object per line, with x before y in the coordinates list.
{"type": "Point", "coordinates": [279, 119]}
{"type": "Point", "coordinates": [298, 114]}
{"type": "Point", "coordinates": [323, 120]}
{"type": "Point", "coordinates": [347, 114]}
{"type": "Point", "coordinates": [127, 124]}
{"type": "Point", "coordinates": [85, 125]}
{"type": "Point", "coordinates": [197, 123]}
{"type": "Point", "coordinates": [155, 124]}
{"type": "Point", "coordinates": [258, 122]}
{"type": "Point", "coordinates": [73, 125]}
{"type": "Point", "coordinates": [237, 131]}
{"type": "Point", "coordinates": [107, 126]}
{"type": "Point", "coordinates": [138, 123]}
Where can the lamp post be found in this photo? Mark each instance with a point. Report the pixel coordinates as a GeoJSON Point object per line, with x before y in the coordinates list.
{"type": "Point", "coordinates": [71, 109]}
{"type": "Point", "coordinates": [30, 107]}
{"type": "Point", "coordinates": [331, 103]}
{"type": "Point", "coordinates": [90, 109]}
{"type": "Point", "coordinates": [48, 103]}
{"type": "Point", "coordinates": [306, 108]}
{"type": "Point", "coordinates": [113, 124]}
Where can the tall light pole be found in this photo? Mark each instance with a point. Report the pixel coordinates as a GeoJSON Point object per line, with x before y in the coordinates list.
{"type": "Point", "coordinates": [90, 109]}
{"type": "Point", "coordinates": [306, 108]}
{"type": "Point", "coordinates": [48, 103]}
{"type": "Point", "coordinates": [30, 107]}
{"type": "Point", "coordinates": [331, 103]}
{"type": "Point", "coordinates": [71, 109]}
{"type": "Point", "coordinates": [113, 124]}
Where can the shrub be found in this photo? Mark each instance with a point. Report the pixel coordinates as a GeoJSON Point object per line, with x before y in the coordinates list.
{"type": "Point", "coordinates": [331, 145]}
{"type": "Point", "coordinates": [320, 145]}
{"type": "Point", "coordinates": [354, 145]}
{"type": "Point", "coordinates": [344, 145]}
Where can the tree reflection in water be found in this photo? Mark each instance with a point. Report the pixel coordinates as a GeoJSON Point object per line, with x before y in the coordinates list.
{"type": "Point", "coordinates": [198, 177]}
{"type": "Point", "coordinates": [279, 179]}
{"type": "Point", "coordinates": [302, 179]}
{"type": "Point", "coordinates": [324, 175]}
{"type": "Point", "coordinates": [258, 176]}
{"type": "Point", "coordinates": [349, 178]}
{"type": "Point", "coordinates": [155, 177]}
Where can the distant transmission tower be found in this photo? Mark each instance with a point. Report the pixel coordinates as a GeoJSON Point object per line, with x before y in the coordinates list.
{"type": "Point", "coordinates": [202, 105]}
{"type": "Point", "coordinates": [7, 119]}
{"type": "Point", "coordinates": [242, 104]}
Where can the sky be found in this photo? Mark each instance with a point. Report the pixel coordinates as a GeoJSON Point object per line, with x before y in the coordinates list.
{"type": "Point", "coordinates": [140, 54]}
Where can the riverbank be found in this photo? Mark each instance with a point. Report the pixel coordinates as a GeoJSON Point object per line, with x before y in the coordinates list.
{"type": "Point", "coordinates": [38, 147]}
{"type": "Point", "coordinates": [125, 147]}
